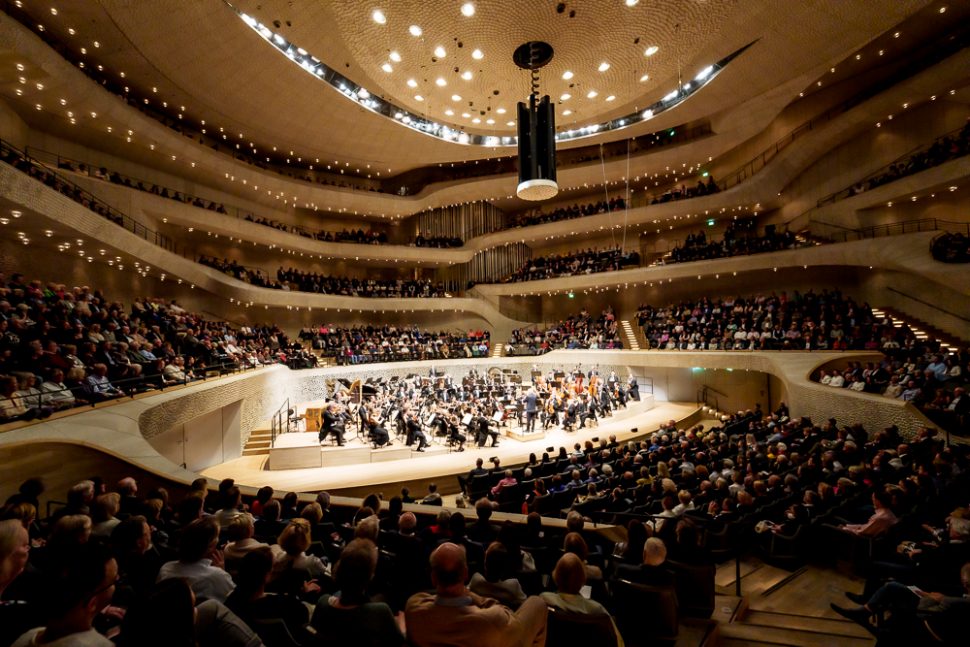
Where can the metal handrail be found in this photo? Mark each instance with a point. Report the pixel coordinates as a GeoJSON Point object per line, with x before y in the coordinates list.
{"type": "Point", "coordinates": [92, 202]}
{"type": "Point", "coordinates": [849, 191]}
{"type": "Point", "coordinates": [890, 229]}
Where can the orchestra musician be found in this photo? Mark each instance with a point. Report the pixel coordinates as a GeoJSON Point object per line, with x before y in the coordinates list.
{"type": "Point", "coordinates": [332, 424]}
{"type": "Point", "coordinates": [483, 430]}
{"type": "Point", "coordinates": [633, 389]}
{"type": "Point", "coordinates": [378, 434]}
{"type": "Point", "coordinates": [414, 432]}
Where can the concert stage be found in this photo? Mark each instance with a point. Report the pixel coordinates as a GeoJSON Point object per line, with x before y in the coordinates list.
{"type": "Point", "coordinates": [356, 468]}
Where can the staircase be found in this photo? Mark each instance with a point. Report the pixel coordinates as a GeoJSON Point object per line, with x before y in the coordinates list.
{"type": "Point", "coordinates": [921, 329]}
{"type": "Point", "coordinates": [631, 337]}
{"type": "Point", "coordinates": [781, 607]}
{"type": "Point", "coordinates": [752, 627]}
{"type": "Point", "coordinates": [258, 443]}
{"type": "Point", "coordinates": [498, 349]}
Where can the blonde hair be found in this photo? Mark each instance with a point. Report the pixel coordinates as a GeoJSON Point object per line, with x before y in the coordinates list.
{"type": "Point", "coordinates": [295, 538]}
{"type": "Point", "coordinates": [106, 506]}
{"type": "Point", "coordinates": [312, 512]}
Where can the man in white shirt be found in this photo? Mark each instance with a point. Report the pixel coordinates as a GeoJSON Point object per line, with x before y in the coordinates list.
{"type": "Point", "coordinates": [200, 562]}
{"type": "Point", "coordinates": [55, 393]}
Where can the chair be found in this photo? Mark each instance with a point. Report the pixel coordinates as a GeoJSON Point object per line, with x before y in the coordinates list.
{"type": "Point", "coordinates": [569, 629]}
{"type": "Point", "coordinates": [646, 615]}
{"type": "Point", "coordinates": [695, 588]}
{"type": "Point", "coordinates": [274, 633]}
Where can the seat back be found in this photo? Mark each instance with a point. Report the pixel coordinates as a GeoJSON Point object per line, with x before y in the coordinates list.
{"type": "Point", "coordinates": [274, 633]}
{"type": "Point", "coordinates": [568, 629]}
{"type": "Point", "coordinates": [695, 588]}
{"type": "Point", "coordinates": [646, 615]}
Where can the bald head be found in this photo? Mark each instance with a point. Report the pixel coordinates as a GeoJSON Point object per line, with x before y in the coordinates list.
{"type": "Point", "coordinates": [449, 567]}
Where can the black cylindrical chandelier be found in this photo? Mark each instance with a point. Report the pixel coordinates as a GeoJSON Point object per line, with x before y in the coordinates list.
{"type": "Point", "coordinates": [536, 129]}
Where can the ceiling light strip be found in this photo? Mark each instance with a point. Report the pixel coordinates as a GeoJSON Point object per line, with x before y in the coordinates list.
{"type": "Point", "coordinates": [361, 96]}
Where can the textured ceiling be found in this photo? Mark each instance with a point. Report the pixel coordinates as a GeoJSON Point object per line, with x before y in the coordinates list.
{"type": "Point", "coordinates": [199, 55]}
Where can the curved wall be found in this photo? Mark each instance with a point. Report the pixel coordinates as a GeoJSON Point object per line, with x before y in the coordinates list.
{"type": "Point", "coordinates": [140, 431]}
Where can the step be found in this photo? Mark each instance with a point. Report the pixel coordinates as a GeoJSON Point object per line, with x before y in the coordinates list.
{"type": "Point", "coordinates": [255, 444]}
{"type": "Point", "coordinates": [256, 452]}
{"type": "Point", "coordinates": [812, 624]}
{"type": "Point", "coordinates": [747, 634]}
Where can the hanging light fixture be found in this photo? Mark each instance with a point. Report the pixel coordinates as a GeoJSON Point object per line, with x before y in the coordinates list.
{"type": "Point", "coordinates": [536, 129]}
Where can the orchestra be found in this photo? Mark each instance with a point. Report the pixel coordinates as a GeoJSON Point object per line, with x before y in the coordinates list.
{"type": "Point", "coordinates": [419, 409]}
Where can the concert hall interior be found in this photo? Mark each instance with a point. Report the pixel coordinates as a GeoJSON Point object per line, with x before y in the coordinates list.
{"type": "Point", "coordinates": [679, 357]}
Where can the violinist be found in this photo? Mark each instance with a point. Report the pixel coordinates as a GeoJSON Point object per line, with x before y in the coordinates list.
{"type": "Point", "coordinates": [378, 434]}
{"type": "Point", "coordinates": [484, 430]}
{"type": "Point", "coordinates": [332, 424]}
{"type": "Point", "coordinates": [454, 435]}
{"type": "Point", "coordinates": [414, 431]}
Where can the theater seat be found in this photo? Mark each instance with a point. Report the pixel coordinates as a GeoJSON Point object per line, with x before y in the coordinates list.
{"type": "Point", "coordinates": [566, 629]}
{"type": "Point", "coordinates": [646, 615]}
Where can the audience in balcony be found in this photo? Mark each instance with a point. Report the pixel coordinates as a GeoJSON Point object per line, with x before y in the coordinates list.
{"type": "Point", "coordinates": [581, 262]}
{"type": "Point", "coordinates": [684, 192]}
{"type": "Point", "coordinates": [740, 238]}
{"type": "Point", "coordinates": [934, 381]}
{"type": "Point", "coordinates": [951, 248]}
{"type": "Point", "coordinates": [939, 152]}
{"type": "Point", "coordinates": [824, 320]}
{"type": "Point", "coordinates": [537, 217]}
{"type": "Point", "coordinates": [427, 240]}
{"type": "Point", "coordinates": [387, 288]}
{"type": "Point", "coordinates": [576, 331]}
{"type": "Point", "coordinates": [359, 236]}
{"type": "Point", "coordinates": [365, 344]}
{"type": "Point", "coordinates": [62, 347]}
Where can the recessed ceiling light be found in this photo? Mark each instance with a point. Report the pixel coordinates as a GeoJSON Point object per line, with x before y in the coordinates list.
{"type": "Point", "coordinates": [449, 112]}
{"type": "Point", "coordinates": [644, 78]}
{"type": "Point", "coordinates": [653, 49]}
{"type": "Point", "coordinates": [490, 121]}
{"type": "Point", "coordinates": [387, 68]}
{"type": "Point", "coordinates": [468, 10]}
{"type": "Point", "coordinates": [476, 120]}
{"type": "Point", "coordinates": [412, 83]}
{"type": "Point", "coordinates": [439, 51]}
{"type": "Point", "coordinates": [478, 55]}
{"type": "Point", "coordinates": [509, 123]}
{"type": "Point", "coordinates": [456, 97]}
{"type": "Point", "coordinates": [394, 56]}
{"type": "Point", "coordinates": [501, 111]}
{"type": "Point", "coordinates": [467, 75]}
{"type": "Point", "coordinates": [415, 30]}
{"type": "Point", "coordinates": [566, 113]}
{"type": "Point", "coordinates": [565, 97]}
{"type": "Point", "coordinates": [440, 82]}
{"type": "Point", "coordinates": [610, 98]}
{"type": "Point", "coordinates": [942, 9]}
{"type": "Point", "coordinates": [465, 115]}
{"type": "Point", "coordinates": [604, 66]}
{"type": "Point", "coordinates": [418, 97]}
{"type": "Point", "coordinates": [591, 94]}
{"type": "Point", "coordinates": [631, 3]}
{"type": "Point", "coordinates": [379, 17]}
{"type": "Point", "coordinates": [567, 75]}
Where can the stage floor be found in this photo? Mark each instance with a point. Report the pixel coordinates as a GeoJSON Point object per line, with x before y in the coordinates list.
{"type": "Point", "coordinates": [437, 462]}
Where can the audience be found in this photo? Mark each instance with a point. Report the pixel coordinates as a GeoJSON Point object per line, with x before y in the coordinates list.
{"type": "Point", "coordinates": [388, 343]}
{"type": "Point", "coordinates": [824, 320]}
{"type": "Point", "coordinates": [582, 262]}
{"type": "Point", "coordinates": [81, 347]}
{"type": "Point", "coordinates": [576, 331]}
{"type": "Point", "coordinates": [740, 238]}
